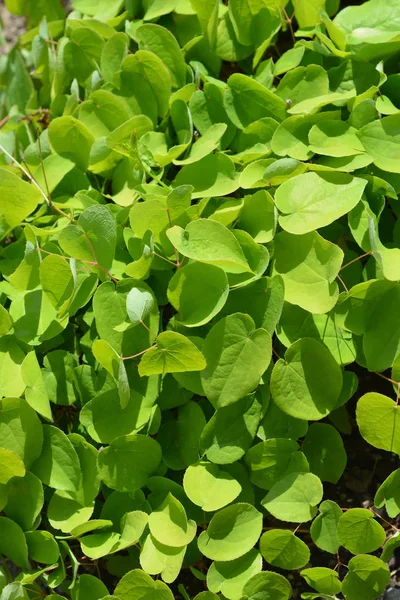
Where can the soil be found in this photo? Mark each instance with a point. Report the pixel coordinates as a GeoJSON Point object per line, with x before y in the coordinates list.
{"type": "Point", "coordinates": [12, 26]}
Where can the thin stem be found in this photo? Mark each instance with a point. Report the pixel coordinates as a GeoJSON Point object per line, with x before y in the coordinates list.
{"type": "Point", "coordinates": [339, 562]}
{"type": "Point", "coordinates": [289, 22]}
{"type": "Point", "coordinates": [92, 263]}
{"type": "Point", "coordinates": [178, 264]}
{"type": "Point", "coordinates": [148, 329]}
{"type": "Point", "coordinates": [114, 279]}
{"type": "Point", "coordinates": [4, 121]}
{"type": "Point", "coordinates": [343, 283]}
{"type": "Point", "coordinates": [380, 517]}
{"type": "Point", "coordinates": [95, 263]}
{"type": "Point", "coordinates": [275, 352]}
{"type": "Point", "coordinates": [387, 378]}
{"type": "Point", "coordinates": [28, 175]}
{"type": "Point", "coordinates": [42, 164]}
{"type": "Point", "coordinates": [356, 259]}
{"type": "Point", "coordinates": [34, 182]}
{"type": "Point", "coordinates": [139, 353]}
{"type": "Point", "coordinates": [39, 249]}
{"type": "Point", "coordinates": [163, 258]}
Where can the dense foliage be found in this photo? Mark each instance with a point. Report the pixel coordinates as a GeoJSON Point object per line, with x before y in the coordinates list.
{"type": "Point", "coordinates": [200, 260]}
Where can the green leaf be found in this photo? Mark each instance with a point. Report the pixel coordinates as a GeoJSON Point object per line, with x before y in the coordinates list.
{"type": "Point", "coordinates": [258, 217]}
{"type": "Point", "coordinates": [90, 479]}
{"type": "Point", "coordinates": [25, 500]}
{"type": "Point", "coordinates": [246, 101]}
{"type": "Point", "coordinates": [72, 140]}
{"type": "Point", "coordinates": [377, 420]}
{"type": "Point", "coordinates": [262, 300]}
{"type": "Point", "coordinates": [307, 383]}
{"type": "Point", "coordinates": [102, 113]}
{"type": "Point", "coordinates": [180, 439]}
{"type": "Point", "coordinates": [333, 138]}
{"type": "Point", "coordinates": [312, 105]}
{"type": "Point", "coordinates": [11, 359]}
{"type": "Point", "coordinates": [148, 67]}
{"type": "Point", "coordinates": [128, 462]}
{"type": "Point", "coordinates": [14, 591]}
{"type": "Point", "coordinates": [207, 13]}
{"type": "Point", "coordinates": [139, 303]}
{"type": "Point", "coordinates": [231, 533]}
{"type": "Point", "coordinates": [42, 547]}
{"type": "Point", "coordinates": [11, 465]}
{"type": "Point", "coordinates": [252, 21]}
{"type": "Point", "coordinates": [12, 543]}
{"type": "Point", "coordinates": [229, 577]}
{"type": "Point", "coordinates": [35, 392]}
{"type": "Point", "coordinates": [100, 10]}
{"type": "Point", "coordinates": [323, 199]}
{"type": "Point", "coordinates": [230, 431]}
{"type": "Point", "coordinates": [174, 353]}
{"type": "Point", "coordinates": [58, 464]}
{"type": "Point", "coordinates": [133, 525]}
{"type": "Point", "coordinates": [18, 200]}
{"type": "Point", "coordinates": [107, 357]}
{"type": "Point", "coordinates": [20, 430]}
{"type": "Point", "coordinates": [56, 279]}
{"type": "Point", "coordinates": [325, 452]}
{"type": "Point", "coordinates": [294, 498]}
{"type": "Point", "coordinates": [237, 355]}
{"type": "Point", "coordinates": [58, 377]}
{"type": "Point", "coordinates": [324, 527]}
{"type": "Point", "coordinates": [381, 140]}
{"type": "Point", "coordinates": [388, 494]}
{"type": "Point", "coordinates": [97, 545]}
{"type": "Point", "coordinates": [390, 547]}
{"type": "Point", "coordinates": [291, 137]}
{"type": "Point", "coordinates": [296, 323]}
{"type": "Point", "coordinates": [161, 42]}
{"type": "Point", "coordinates": [277, 424]}
{"type": "Point", "coordinates": [382, 328]}
{"type": "Point", "coordinates": [322, 579]}
{"type": "Point", "coordinates": [268, 585]}
{"type": "Point", "coordinates": [112, 55]}
{"type": "Point", "coordinates": [143, 585]}
{"type": "Point", "coordinates": [88, 587]}
{"type": "Point", "coordinates": [5, 321]}
{"type": "Point", "coordinates": [198, 291]}
{"type": "Point", "coordinates": [302, 84]}
{"type": "Point", "coordinates": [105, 419]}
{"type": "Point", "coordinates": [157, 558]}
{"type": "Point", "coordinates": [367, 578]}
{"type": "Point", "coordinates": [281, 548]}
{"type": "Point", "coordinates": [92, 525]}
{"type": "Point", "coordinates": [65, 512]}
{"type": "Point", "coordinates": [209, 486]}
{"type": "Point", "coordinates": [271, 460]}
{"type": "Point", "coordinates": [206, 144]}
{"type": "Point", "coordinates": [213, 175]}
{"type": "Point", "coordinates": [308, 265]}
{"type": "Point", "coordinates": [94, 238]}
{"type": "Point", "coordinates": [359, 532]}
{"type": "Point", "coordinates": [168, 524]}
{"type": "Point", "coordinates": [210, 242]}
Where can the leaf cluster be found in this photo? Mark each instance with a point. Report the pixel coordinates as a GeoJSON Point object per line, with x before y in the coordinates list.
{"type": "Point", "coordinates": [200, 248]}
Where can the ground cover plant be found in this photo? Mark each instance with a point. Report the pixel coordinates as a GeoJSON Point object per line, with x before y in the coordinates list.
{"type": "Point", "coordinates": [199, 300]}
